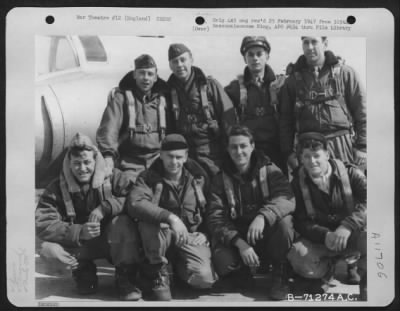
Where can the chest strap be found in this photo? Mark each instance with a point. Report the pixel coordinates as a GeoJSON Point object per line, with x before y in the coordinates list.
{"type": "Point", "coordinates": [161, 113]}
{"type": "Point", "coordinates": [157, 193]}
{"type": "Point", "coordinates": [243, 97]}
{"type": "Point", "coordinates": [346, 188]}
{"type": "Point", "coordinates": [273, 93]}
{"type": "Point", "coordinates": [347, 192]}
{"type": "Point", "coordinates": [104, 193]}
{"type": "Point", "coordinates": [203, 99]}
{"type": "Point", "coordinates": [230, 195]}
{"type": "Point", "coordinates": [198, 184]}
{"type": "Point", "coordinates": [162, 118]}
{"type": "Point", "coordinates": [69, 207]}
{"type": "Point", "coordinates": [132, 112]}
{"type": "Point", "coordinates": [175, 104]}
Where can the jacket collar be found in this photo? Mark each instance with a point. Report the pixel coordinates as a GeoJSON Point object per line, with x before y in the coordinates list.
{"type": "Point", "coordinates": [98, 177]}
{"type": "Point", "coordinates": [301, 63]}
{"type": "Point", "coordinates": [199, 78]}
{"type": "Point", "coordinates": [128, 82]}
{"type": "Point", "coordinates": [269, 75]}
{"type": "Point", "coordinates": [257, 160]}
{"type": "Point", "coordinates": [191, 167]}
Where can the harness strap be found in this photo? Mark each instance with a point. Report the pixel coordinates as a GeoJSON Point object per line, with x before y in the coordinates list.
{"type": "Point", "coordinates": [162, 118]}
{"type": "Point", "coordinates": [264, 182]}
{"type": "Point", "coordinates": [347, 192]}
{"type": "Point", "coordinates": [243, 96]}
{"type": "Point", "coordinates": [132, 111]}
{"type": "Point", "coordinates": [175, 103]}
{"type": "Point", "coordinates": [69, 207]}
{"type": "Point", "coordinates": [344, 177]}
{"type": "Point", "coordinates": [107, 189]}
{"type": "Point", "coordinates": [306, 194]}
{"type": "Point", "coordinates": [204, 102]}
{"type": "Point", "coordinates": [228, 186]}
{"type": "Point", "coordinates": [157, 193]}
{"type": "Point", "coordinates": [198, 184]}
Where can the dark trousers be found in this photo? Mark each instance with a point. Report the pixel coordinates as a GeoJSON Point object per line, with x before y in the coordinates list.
{"type": "Point", "coordinates": [274, 246]}
{"type": "Point", "coordinates": [192, 262]}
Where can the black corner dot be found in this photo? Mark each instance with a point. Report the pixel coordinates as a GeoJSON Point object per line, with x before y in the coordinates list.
{"type": "Point", "coordinates": [351, 19]}
{"type": "Point", "coordinates": [50, 19]}
{"type": "Point", "coordinates": [200, 20]}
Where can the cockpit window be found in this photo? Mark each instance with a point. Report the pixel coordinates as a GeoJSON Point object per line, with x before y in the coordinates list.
{"type": "Point", "coordinates": [94, 49]}
{"type": "Point", "coordinates": [65, 56]}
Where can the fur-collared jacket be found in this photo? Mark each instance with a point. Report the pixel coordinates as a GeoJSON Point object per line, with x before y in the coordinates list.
{"type": "Point", "coordinates": [330, 209]}
{"type": "Point", "coordinates": [113, 136]}
{"type": "Point", "coordinates": [327, 116]}
{"type": "Point", "coordinates": [182, 201]}
{"type": "Point", "coordinates": [54, 223]}
{"type": "Point", "coordinates": [249, 198]}
{"type": "Point", "coordinates": [259, 113]}
{"type": "Point", "coordinates": [205, 136]}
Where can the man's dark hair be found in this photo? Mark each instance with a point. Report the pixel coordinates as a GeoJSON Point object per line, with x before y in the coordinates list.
{"type": "Point", "coordinates": [76, 151]}
{"type": "Point", "coordinates": [323, 38]}
{"type": "Point", "coordinates": [240, 130]}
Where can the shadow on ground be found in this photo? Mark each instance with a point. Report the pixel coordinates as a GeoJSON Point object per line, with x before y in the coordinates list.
{"type": "Point", "coordinates": [56, 284]}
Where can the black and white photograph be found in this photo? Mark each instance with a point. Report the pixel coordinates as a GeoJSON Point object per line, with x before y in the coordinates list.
{"type": "Point", "coordinates": [221, 164]}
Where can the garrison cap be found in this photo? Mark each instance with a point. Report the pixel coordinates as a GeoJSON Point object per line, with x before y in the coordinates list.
{"type": "Point", "coordinates": [174, 142]}
{"type": "Point", "coordinates": [177, 49]}
{"type": "Point", "coordinates": [81, 141]}
{"type": "Point", "coordinates": [252, 41]}
{"type": "Point", "coordinates": [309, 138]}
{"type": "Point", "coordinates": [145, 61]}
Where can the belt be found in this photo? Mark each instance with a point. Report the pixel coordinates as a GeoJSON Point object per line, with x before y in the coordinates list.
{"type": "Point", "coordinates": [336, 134]}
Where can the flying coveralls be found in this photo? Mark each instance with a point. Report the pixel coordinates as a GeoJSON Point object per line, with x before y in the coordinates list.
{"type": "Point", "coordinates": [256, 110]}
{"type": "Point", "coordinates": [331, 102]}
{"type": "Point", "coordinates": [202, 114]}
{"type": "Point", "coordinates": [236, 200]}
{"type": "Point", "coordinates": [65, 206]}
{"type": "Point", "coordinates": [151, 202]}
{"type": "Point", "coordinates": [318, 212]}
{"type": "Point", "coordinates": [133, 125]}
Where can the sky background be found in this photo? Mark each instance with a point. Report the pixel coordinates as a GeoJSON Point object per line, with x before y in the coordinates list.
{"type": "Point", "coordinates": [220, 56]}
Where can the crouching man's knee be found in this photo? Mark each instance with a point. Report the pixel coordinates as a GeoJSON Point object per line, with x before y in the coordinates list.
{"type": "Point", "coordinates": [124, 240]}
{"type": "Point", "coordinates": [225, 260]}
{"type": "Point", "coordinates": [307, 261]}
{"type": "Point", "coordinates": [204, 277]}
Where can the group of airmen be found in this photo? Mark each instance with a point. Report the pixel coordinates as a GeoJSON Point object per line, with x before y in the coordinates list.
{"type": "Point", "coordinates": [189, 181]}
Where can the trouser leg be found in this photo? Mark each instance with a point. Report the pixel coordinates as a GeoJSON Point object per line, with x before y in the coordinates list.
{"type": "Point", "coordinates": [155, 241]}
{"type": "Point", "coordinates": [277, 241]}
{"type": "Point", "coordinates": [194, 264]}
{"type": "Point", "coordinates": [124, 241]}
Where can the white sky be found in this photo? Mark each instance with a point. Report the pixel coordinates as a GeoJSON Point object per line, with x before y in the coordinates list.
{"type": "Point", "coordinates": [220, 56]}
